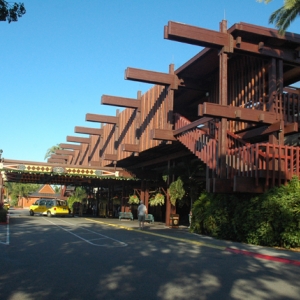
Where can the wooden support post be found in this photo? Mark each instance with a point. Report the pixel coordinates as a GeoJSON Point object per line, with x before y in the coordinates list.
{"type": "Point", "coordinates": [222, 145]}
{"type": "Point", "coordinates": [272, 83]}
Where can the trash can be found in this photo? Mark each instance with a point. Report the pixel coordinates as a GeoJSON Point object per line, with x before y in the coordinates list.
{"type": "Point", "coordinates": [174, 221]}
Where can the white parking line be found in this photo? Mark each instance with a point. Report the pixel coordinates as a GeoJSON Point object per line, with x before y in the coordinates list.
{"type": "Point", "coordinates": [103, 237]}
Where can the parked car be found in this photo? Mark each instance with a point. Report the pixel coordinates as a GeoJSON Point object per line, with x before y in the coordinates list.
{"type": "Point", "coordinates": [49, 207]}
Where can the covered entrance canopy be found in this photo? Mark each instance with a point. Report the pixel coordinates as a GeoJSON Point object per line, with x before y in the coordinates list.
{"type": "Point", "coordinates": [47, 173]}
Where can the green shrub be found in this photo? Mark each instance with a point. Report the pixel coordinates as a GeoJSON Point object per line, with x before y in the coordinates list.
{"type": "Point", "coordinates": [270, 219]}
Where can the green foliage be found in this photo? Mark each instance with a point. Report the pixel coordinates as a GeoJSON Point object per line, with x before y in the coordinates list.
{"type": "Point", "coordinates": [51, 151]}
{"type": "Point", "coordinates": [285, 15]}
{"type": "Point", "coordinates": [189, 172]}
{"type": "Point", "coordinates": [19, 190]}
{"type": "Point", "coordinates": [10, 12]}
{"type": "Point", "coordinates": [78, 196]}
{"type": "Point", "coordinates": [176, 190]}
{"type": "Point", "coordinates": [270, 219]}
{"type": "Point", "coordinates": [56, 189]}
{"type": "Point", "coordinates": [158, 199]}
{"type": "Point", "coordinates": [133, 199]}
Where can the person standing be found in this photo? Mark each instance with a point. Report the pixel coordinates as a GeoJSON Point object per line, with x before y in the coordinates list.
{"type": "Point", "coordinates": [142, 210]}
{"type": "Point", "coordinates": [94, 210]}
{"type": "Point", "coordinates": [190, 218]}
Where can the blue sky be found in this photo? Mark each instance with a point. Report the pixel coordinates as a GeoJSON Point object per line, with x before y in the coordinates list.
{"type": "Point", "coordinates": [63, 55]}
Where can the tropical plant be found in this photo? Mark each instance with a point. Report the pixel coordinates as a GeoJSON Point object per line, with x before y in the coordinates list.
{"type": "Point", "coordinates": [176, 191]}
{"type": "Point", "coordinates": [284, 16]}
{"type": "Point", "coordinates": [133, 199]}
{"type": "Point", "coordinates": [190, 174]}
{"type": "Point", "coordinates": [78, 196]}
{"type": "Point", "coordinates": [158, 199]}
{"type": "Point", "coordinates": [10, 12]}
{"type": "Point", "coordinates": [51, 151]}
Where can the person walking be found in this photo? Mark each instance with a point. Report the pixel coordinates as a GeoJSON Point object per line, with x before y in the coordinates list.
{"type": "Point", "coordinates": [142, 210]}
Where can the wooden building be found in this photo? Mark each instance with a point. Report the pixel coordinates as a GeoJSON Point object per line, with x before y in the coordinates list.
{"type": "Point", "coordinates": [233, 106]}
{"type": "Point", "coordinates": [45, 191]}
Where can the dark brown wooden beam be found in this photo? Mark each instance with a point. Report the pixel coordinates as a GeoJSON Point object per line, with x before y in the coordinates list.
{"type": "Point", "coordinates": [192, 125]}
{"type": "Point", "coordinates": [59, 156]}
{"type": "Point", "coordinates": [215, 39]}
{"type": "Point", "coordinates": [65, 152]}
{"type": "Point", "coordinates": [130, 147]}
{"type": "Point", "coordinates": [75, 139]}
{"type": "Point", "coordinates": [221, 185]}
{"type": "Point", "coordinates": [119, 101]}
{"type": "Point", "coordinates": [162, 159]}
{"type": "Point", "coordinates": [266, 130]}
{"type": "Point", "coordinates": [58, 161]}
{"type": "Point", "coordinates": [268, 32]}
{"type": "Point", "coordinates": [291, 90]}
{"type": "Point", "coordinates": [162, 134]}
{"type": "Point", "coordinates": [109, 156]}
{"type": "Point", "coordinates": [247, 185]}
{"type": "Point", "coordinates": [236, 113]}
{"type": "Point", "coordinates": [89, 130]}
{"type": "Point", "coordinates": [198, 36]}
{"type": "Point", "coordinates": [261, 49]}
{"type": "Point", "coordinates": [101, 119]}
{"type": "Point", "coordinates": [152, 77]}
{"type": "Point", "coordinates": [291, 128]}
{"type": "Point", "coordinates": [70, 146]}
{"type": "Point", "coordinates": [95, 163]}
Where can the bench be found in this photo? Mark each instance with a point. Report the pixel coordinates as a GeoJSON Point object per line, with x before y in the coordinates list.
{"type": "Point", "coordinates": [149, 218]}
{"type": "Point", "coordinates": [125, 215]}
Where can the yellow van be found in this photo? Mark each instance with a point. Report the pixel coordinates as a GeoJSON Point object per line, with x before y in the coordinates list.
{"type": "Point", "coordinates": [49, 207]}
{"type": "Point", "coordinates": [6, 205]}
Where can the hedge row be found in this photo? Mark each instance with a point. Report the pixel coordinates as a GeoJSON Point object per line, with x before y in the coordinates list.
{"type": "Point", "coordinates": [271, 219]}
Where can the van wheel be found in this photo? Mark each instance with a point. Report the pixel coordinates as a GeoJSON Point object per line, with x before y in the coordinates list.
{"type": "Point", "coordinates": [49, 214]}
{"type": "Point", "coordinates": [31, 212]}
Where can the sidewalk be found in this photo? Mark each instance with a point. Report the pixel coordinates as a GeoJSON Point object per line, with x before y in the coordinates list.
{"type": "Point", "coordinates": [183, 234]}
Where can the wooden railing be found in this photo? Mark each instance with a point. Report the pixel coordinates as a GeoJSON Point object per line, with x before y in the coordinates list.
{"type": "Point", "coordinates": [287, 105]}
{"type": "Point", "coordinates": [275, 163]}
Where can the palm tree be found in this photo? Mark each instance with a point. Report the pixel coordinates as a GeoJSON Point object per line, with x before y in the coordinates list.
{"type": "Point", "coordinates": [51, 151]}
{"type": "Point", "coordinates": [284, 16]}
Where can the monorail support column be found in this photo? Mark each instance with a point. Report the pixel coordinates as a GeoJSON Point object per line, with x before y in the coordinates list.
{"type": "Point", "coordinates": [222, 145]}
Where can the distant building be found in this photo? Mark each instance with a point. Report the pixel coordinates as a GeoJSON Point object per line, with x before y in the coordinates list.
{"type": "Point", "coordinates": [45, 191]}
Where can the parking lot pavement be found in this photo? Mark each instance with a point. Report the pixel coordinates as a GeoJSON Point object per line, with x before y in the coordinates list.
{"type": "Point", "coordinates": [4, 232]}
{"type": "Point", "coordinates": [183, 234]}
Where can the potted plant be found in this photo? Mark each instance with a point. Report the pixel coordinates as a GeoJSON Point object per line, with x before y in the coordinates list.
{"type": "Point", "coordinates": [133, 199]}
{"type": "Point", "coordinates": [158, 199]}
